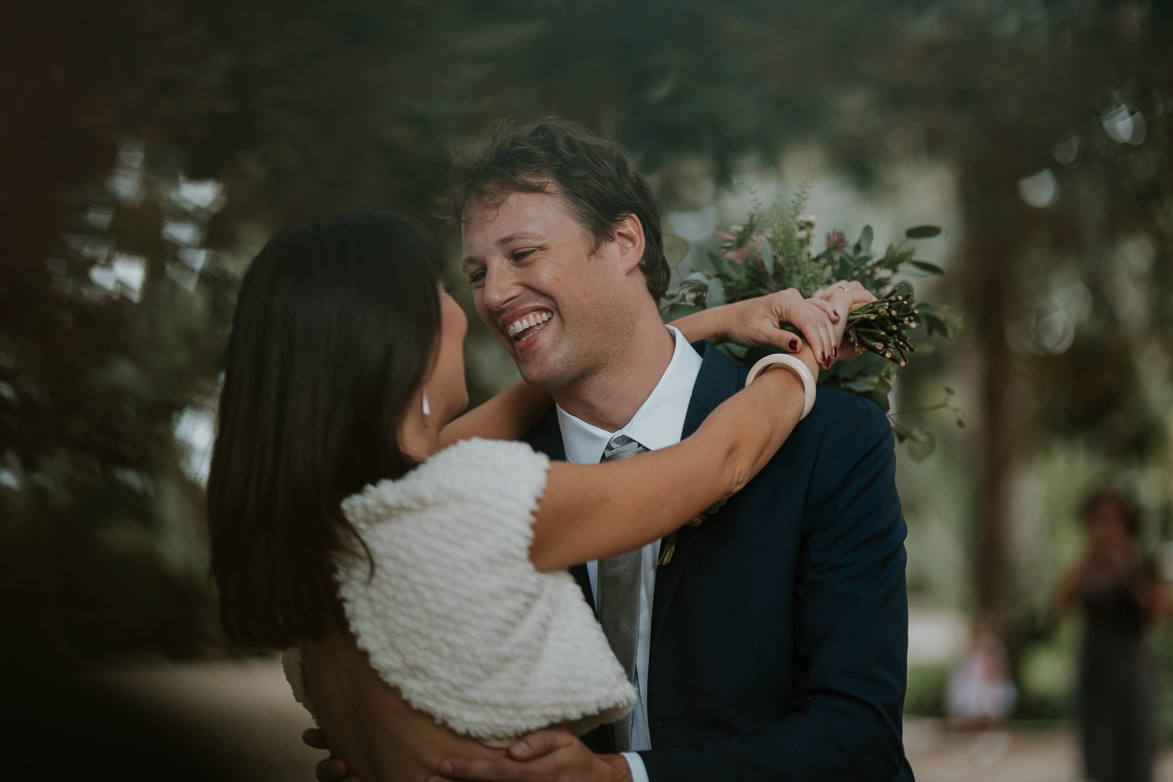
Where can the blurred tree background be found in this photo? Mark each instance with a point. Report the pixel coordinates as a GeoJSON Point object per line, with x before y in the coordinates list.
{"type": "Point", "coordinates": [149, 149]}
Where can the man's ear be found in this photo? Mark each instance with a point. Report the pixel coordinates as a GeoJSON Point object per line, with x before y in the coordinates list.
{"type": "Point", "coordinates": [629, 240]}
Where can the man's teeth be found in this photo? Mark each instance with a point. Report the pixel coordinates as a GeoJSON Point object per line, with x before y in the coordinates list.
{"type": "Point", "coordinates": [528, 322]}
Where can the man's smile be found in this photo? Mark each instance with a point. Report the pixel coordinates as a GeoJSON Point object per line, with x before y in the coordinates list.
{"type": "Point", "coordinates": [527, 325]}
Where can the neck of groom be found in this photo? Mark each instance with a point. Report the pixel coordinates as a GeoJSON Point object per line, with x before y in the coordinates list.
{"type": "Point", "coordinates": [610, 396]}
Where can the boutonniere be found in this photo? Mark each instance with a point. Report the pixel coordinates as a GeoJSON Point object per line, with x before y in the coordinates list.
{"type": "Point", "coordinates": [668, 544]}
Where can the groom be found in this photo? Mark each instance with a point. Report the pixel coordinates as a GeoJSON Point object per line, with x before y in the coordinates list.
{"type": "Point", "coordinates": [772, 643]}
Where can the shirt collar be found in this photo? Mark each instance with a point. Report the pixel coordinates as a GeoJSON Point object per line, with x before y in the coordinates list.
{"type": "Point", "coordinates": [659, 420]}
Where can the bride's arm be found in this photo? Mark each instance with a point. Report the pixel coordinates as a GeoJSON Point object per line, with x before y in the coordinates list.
{"type": "Point", "coordinates": [757, 322]}
{"type": "Point", "coordinates": [508, 415]}
{"type": "Point", "coordinates": [511, 413]}
{"type": "Point", "coordinates": [593, 511]}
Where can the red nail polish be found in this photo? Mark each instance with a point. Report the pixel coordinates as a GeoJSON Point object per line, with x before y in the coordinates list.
{"type": "Point", "coordinates": [834, 352]}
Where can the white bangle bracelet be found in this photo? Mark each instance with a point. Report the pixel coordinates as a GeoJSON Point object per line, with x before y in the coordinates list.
{"type": "Point", "coordinates": [796, 366]}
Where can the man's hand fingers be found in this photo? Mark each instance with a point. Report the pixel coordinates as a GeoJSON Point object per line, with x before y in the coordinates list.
{"type": "Point", "coordinates": [313, 737]}
{"type": "Point", "coordinates": [539, 743]}
{"type": "Point", "coordinates": [333, 770]}
{"type": "Point", "coordinates": [330, 769]}
{"type": "Point", "coordinates": [469, 770]}
{"type": "Point", "coordinates": [553, 754]}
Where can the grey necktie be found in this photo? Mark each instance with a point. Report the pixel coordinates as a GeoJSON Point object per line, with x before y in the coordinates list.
{"type": "Point", "coordinates": [618, 597]}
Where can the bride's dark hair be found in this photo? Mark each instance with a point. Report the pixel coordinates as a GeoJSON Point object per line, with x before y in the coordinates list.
{"type": "Point", "coordinates": [334, 329]}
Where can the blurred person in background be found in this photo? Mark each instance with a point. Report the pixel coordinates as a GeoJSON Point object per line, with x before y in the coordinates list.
{"type": "Point", "coordinates": [981, 692]}
{"type": "Point", "coordinates": [1120, 594]}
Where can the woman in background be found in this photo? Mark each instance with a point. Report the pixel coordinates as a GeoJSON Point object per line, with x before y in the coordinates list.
{"type": "Point", "coordinates": [1120, 594]}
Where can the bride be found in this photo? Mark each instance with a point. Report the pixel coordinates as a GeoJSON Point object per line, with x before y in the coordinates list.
{"type": "Point", "coordinates": [413, 560]}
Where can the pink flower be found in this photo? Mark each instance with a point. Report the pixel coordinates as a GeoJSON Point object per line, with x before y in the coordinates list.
{"type": "Point", "coordinates": [738, 255]}
{"type": "Point", "coordinates": [726, 236]}
{"type": "Point", "coordinates": [836, 242]}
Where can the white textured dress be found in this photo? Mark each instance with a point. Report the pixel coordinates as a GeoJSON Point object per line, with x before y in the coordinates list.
{"type": "Point", "coordinates": [455, 616]}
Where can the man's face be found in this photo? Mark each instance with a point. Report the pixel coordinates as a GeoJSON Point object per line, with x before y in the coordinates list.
{"type": "Point", "coordinates": [537, 284]}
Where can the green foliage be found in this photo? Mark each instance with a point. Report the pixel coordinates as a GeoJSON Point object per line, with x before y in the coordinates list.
{"type": "Point", "coordinates": [773, 250]}
{"type": "Point", "coordinates": [925, 693]}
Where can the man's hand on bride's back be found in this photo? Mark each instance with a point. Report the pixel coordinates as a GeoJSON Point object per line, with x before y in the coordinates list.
{"type": "Point", "coordinates": [331, 769]}
{"type": "Point", "coordinates": [553, 753]}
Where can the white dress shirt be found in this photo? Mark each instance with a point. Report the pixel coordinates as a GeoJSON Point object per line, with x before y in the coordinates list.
{"type": "Point", "coordinates": [657, 424]}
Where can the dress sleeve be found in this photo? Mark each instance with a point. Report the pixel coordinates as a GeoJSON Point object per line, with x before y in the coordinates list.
{"type": "Point", "coordinates": [295, 675]}
{"type": "Point", "coordinates": [456, 617]}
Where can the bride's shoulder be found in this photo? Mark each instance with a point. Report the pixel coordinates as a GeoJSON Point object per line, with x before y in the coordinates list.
{"type": "Point", "coordinates": [477, 462]}
{"type": "Point", "coordinates": [477, 450]}
{"type": "Point", "coordinates": [474, 468]}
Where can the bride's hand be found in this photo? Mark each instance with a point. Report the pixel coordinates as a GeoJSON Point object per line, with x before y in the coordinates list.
{"type": "Point", "coordinates": [758, 322]}
{"type": "Point", "coordinates": [843, 297]}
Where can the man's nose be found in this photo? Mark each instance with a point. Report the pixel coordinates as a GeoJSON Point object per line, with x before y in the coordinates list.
{"type": "Point", "coordinates": [501, 287]}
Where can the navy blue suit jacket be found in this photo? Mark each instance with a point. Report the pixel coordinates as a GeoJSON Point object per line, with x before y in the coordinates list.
{"type": "Point", "coordinates": [780, 627]}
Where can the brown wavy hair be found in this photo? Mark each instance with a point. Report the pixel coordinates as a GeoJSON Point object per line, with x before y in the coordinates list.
{"type": "Point", "coordinates": [594, 175]}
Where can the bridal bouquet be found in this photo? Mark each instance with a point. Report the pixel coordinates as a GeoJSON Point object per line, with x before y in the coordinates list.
{"type": "Point", "coordinates": [775, 249]}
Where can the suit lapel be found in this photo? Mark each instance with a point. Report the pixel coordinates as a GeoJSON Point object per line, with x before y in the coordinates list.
{"type": "Point", "coordinates": [718, 379]}
{"type": "Point", "coordinates": [546, 437]}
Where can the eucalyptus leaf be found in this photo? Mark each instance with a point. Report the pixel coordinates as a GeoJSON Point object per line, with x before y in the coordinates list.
{"type": "Point", "coordinates": [901, 432]}
{"type": "Point", "coordinates": [864, 242]}
{"type": "Point", "coordinates": [921, 445]}
{"type": "Point", "coordinates": [924, 232]}
{"type": "Point", "coordinates": [716, 294]}
{"type": "Point", "coordinates": [881, 400]}
{"type": "Point", "coordinates": [864, 364]}
{"type": "Point", "coordinates": [935, 325]}
{"type": "Point", "coordinates": [676, 310]}
{"type": "Point", "coordinates": [675, 249]}
{"type": "Point", "coordinates": [767, 256]}
{"type": "Point", "coordinates": [718, 264]}
{"type": "Point", "coordinates": [858, 385]}
{"type": "Point", "coordinates": [925, 266]}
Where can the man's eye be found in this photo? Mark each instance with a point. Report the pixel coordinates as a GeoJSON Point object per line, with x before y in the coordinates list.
{"type": "Point", "coordinates": [477, 276]}
{"type": "Point", "coordinates": [522, 254]}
